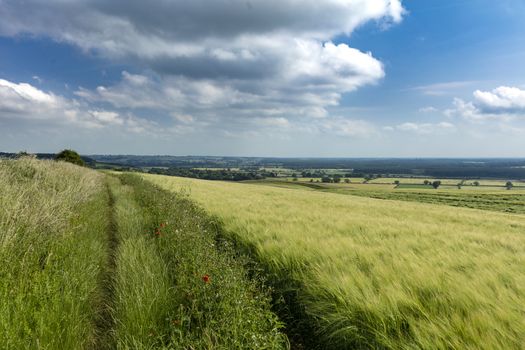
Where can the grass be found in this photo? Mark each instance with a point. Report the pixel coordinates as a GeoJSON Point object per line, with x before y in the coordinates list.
{"type": "Point", "coordinates": [178, 285]}
{"type": "Point", "coordinates": [52, 244]}
{"type": "Point", "coordinates": [367, 273]}
{"type": "Point", "coordinates": [92, 261]}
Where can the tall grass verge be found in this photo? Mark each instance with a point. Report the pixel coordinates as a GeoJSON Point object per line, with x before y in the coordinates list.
{"type": "Point", "coordinates": [178, 286]}
{"type": "Point", "coordinates": [52, 244]}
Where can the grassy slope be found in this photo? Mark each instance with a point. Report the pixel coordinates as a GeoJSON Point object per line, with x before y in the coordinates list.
{"type": "Point", "coordinates": [383, 273]}
{"type": "Point", "coordinates": [52, 243]}
{"type": "Point", "coordinates": [82, 268]}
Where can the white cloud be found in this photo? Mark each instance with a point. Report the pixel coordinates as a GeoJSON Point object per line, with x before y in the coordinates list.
{"type": "Point", "coordinates": [424, 128]}
{"type": "Point", "coordinates": [273, 122]}
{"type": "Point", "coordinates": [428, 109]}
{"type": "Point", "coordinates": [501, 104]}
{"type": "Point", "coordinates": [216, 59]}
{"type": "Point", "coordinates": [184, 118]}
{"type": "Point", "coordinates": [441, 89]}
{"type": "Point", "coordinates": [13, 95]}
{"type": "Point", "coordinates": [24, 102]}
{"type": "Point", "coordinates": [109, 118]}
{"type": "Point", "coordinates": [501, 99]}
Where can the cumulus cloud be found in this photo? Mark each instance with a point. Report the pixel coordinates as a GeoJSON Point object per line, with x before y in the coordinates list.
{"type": "Point", "coordinates": [501, 100]}
{"type": "Point", "coordinates": [24, 102]}
{"type": "Point", "coordinates": [503, 104]}
{"type": "Point", "coordinates": [216, 59]}
{"type": "Point", "coordinates": [179, 28]}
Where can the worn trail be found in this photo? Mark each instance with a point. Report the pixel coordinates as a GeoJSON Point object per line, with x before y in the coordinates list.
{"type": "Point", "coordinates": [104, 321]}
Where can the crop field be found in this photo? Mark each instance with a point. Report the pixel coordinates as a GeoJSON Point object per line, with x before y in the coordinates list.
{"type": "Point", "coordinates": [357, 272]}
{"type": "Point", "coordinates": [478, 197]}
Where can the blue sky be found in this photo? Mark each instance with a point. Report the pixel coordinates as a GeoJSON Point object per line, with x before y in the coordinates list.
{"type": "Point", "coordinates": [345, 78]}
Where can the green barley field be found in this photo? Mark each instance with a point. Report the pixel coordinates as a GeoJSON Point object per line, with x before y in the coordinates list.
{"type": "Point", "coordinates": [366, 273]}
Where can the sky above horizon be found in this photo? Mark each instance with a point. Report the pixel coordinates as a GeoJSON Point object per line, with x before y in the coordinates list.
{"type": "Point", "coordinates": [283, 78]}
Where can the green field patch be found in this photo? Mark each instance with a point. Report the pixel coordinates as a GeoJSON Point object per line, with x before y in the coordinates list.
{"type": "Point", "coordinates": [412, 186]}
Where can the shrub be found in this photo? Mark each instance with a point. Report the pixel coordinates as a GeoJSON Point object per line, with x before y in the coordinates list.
{"type": "Point", "coordinates": [70, 156]}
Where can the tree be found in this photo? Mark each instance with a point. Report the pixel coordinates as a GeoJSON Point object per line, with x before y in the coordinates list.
{"type": "Point", "coordinates": [326, 179]}
{"type": "Point", "coordinates": [476, 183]}
{"type": "Point", "coordinates": [396, 182]}
{"type": "Point", "coordinates": [295, 179]}
{"type": "Point", "coordinates": [436, 184]}
{"type": "Point", "coordinates": [337, 179]}
{"type": "Point", "coordinates": [25, 154]}
{"type": "Point", "coordinates": [70, 156]}
{"type": "Point", "coordinates": [426, 182]}
{"type": "Point", "coordinates": [509, 185]}
{"type": "Point", "coordinates": [347, 181]}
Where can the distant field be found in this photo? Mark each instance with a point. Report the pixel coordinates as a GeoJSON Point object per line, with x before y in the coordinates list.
{"type": "Point", "coordinates": [365, 273]}
{"type": "Point", "coordinates": [478, 197]}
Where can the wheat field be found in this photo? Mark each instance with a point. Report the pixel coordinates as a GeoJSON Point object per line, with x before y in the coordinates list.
{"type": "Point", "coordinates": [379, 273]}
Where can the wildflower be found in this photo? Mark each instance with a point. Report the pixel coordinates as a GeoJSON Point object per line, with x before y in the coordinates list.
{"type": "Point", "coordinates": [206, 278]}
{"type": "Point", "coordinates": [157, 232]}
{"type": "Point", "coordinates": [162, 225]}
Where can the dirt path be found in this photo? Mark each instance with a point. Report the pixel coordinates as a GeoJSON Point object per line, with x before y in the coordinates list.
{"type": "Point", "coordinates": [104, 321]}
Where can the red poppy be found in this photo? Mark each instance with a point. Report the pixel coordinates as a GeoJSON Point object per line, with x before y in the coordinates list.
{"type": "Point", "coordinates": [162, 225]}
{"type": "Point", "coordinates": [206, 278]}
{"type": "Point", "coordinates": [157, 232]}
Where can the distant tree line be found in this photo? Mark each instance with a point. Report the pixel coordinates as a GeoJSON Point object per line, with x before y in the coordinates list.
{"type": "Point", "coordinates": [214, 174]}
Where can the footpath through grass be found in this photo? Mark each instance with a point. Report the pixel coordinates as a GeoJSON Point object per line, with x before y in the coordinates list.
{"type": "Point", "coordinates": [92, 261]}
{"type": "Point", "coordinates": [178, 285]}
{"type": "Point", "coordinates": [361, 273]}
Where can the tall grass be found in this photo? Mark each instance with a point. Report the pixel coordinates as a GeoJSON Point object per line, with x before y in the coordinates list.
{"type": "Point", "coordinates": [368, 273]}
{"type": "Point", "coordinates": [134, 267]}
{"type": "Point", "coordinates": [52, 244]}
{"type": "Point", "coordinates": [177, 286]}
{"type": "Point", "coordinates": [142, 286]}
